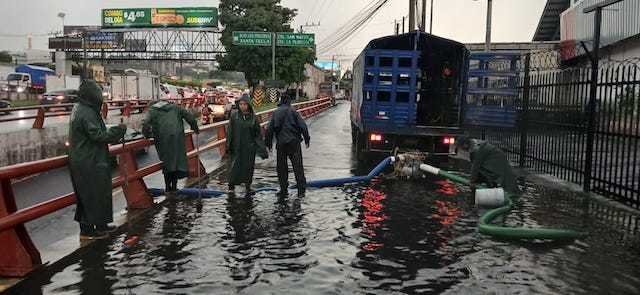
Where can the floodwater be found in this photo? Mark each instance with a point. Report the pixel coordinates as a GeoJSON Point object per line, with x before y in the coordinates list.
{"type": "Point", "coordinates": [388, 237]}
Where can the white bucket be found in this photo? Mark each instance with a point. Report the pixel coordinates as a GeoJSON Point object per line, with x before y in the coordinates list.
{"type": "Point", "coordinates": [490, 197]}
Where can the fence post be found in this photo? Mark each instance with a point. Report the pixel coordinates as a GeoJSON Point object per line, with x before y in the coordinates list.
{"type": "Point", "coordinates": [38, 123]}
{"type": "Point", "coordinates": [593, 92]}
{"type": "Point", "coordinates": [105, 110]}
{"type": "Point", "coordinates": [135, 190]}
{"type": "Point", "coordinates": [194, 163]}
{"type": "Point", "coordinates": [222, 133]}
{"type": "Point", "coordinates": [524, 124]}
{"type": "Point", "coordinates": [19, 254]}
{"type": "Point", "coordinates": [126, 111]}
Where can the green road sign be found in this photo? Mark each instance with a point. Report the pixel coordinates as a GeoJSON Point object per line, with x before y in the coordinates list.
{"type": "Point", "coordinates": [295, 40]}
{"type": "Point", "coordinates": [160, 17]}
{"type": "Point", "coordinates": [252, 38]}
{"type": "Point", "coordinates": [264, 39]}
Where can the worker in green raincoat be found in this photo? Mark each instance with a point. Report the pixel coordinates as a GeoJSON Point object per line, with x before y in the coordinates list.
{"type": "Point", "coordinates": [164, 122]}
{"type": "Point", "coordinates": [244, 141]}
{"type": "Point", "coordinates": [89, 162]}
{"type": "Point", "coordinates": [489, 165]}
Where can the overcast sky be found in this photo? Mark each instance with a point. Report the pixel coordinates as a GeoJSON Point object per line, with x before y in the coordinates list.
{"type": "Point", "coordinates": [462, 20]}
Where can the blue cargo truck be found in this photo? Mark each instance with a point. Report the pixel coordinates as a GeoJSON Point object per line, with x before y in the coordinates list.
{"type": "Point", "coordinates": [28, 78]}
{"type": "Point", "coordinates": [408, 91]}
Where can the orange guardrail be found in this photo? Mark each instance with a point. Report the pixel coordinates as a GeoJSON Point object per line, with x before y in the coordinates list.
{"type": "Point", "coordinates": [126, 107]}
{"type": "Point", "coordinates": [19, 254]}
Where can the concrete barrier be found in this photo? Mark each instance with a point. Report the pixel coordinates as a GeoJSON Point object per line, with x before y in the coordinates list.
{"type": "Point", "coordinates": [36, 144]}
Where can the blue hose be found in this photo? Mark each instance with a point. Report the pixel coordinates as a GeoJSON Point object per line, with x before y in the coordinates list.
{"type": "Point", "coordinates": [208, 193]}
{"type": "Point", "coordinates": [354, 179]}
{"type": "Point", "coordinates": [191, 192]}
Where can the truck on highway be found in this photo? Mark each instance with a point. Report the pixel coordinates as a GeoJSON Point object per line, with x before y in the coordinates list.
{"type": "Point", "coordinates": [134, 85]}
{"type": "Point", "coordinates": [407, 95]}
{"type": "Point", "coordinates": [27, 78]}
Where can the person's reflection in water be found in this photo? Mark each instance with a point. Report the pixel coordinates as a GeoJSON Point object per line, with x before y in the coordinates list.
{"type": "Point", "coordinates": [288, 251]}
{"type": "Point", "coordinates": [181, 217]}
{"type": "Point", "coordinates": [95, 277]}
{"type": "Point", "coordinates": [241, 259]}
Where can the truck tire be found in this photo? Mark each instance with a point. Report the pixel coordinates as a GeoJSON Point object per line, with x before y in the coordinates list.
{"type": "Point", "coordinates": [354, 134]}
{"type": "Point", "coordinates": [360, 146]}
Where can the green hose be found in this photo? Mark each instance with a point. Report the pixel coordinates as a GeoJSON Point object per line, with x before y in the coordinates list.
{"type": "Point", "coordinates": [523, 233]}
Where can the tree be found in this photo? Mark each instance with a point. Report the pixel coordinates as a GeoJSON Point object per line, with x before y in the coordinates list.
{"type": "Point", "coordinates": [5, 57]}
{"type": "Point", "coordinates": [255, 62]}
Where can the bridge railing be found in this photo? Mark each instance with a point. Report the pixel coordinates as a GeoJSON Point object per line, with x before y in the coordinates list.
{"type": "Point", "coordinates": [126, 108]}
{"type": "Point", "coordinates": [19, 254]}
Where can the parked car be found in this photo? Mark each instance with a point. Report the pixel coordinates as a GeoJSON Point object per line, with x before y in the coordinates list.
{"type": "Point", "coordinates": [65, 96]}
{"type": "Point", "coordinates": [5, 104]}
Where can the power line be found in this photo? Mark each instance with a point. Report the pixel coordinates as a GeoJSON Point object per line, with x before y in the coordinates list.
{"type": "Point", "coordinates": [322, 12]}
{"type": "Point", "coordinates": [353, 26]}
{"type": "Point", "coordinates": [313, 10]}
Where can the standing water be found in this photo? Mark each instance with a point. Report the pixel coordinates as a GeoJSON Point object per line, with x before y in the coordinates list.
{"type": "Point", "coordinates": [387, 237]}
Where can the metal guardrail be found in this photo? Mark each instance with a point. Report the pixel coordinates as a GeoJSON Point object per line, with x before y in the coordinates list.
{"type": "Point", "coordinates": [20, 256]}
{"type": "Point", "coordinates": [126, 107]}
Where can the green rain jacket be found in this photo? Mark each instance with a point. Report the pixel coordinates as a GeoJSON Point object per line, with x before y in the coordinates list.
{"type": "Point", "coordinates": [489, 164]}
{"type": "Point", "coordinates": [89, 156]}
{"type": "Point", "coordinates": [164, 122]}
{"type": "Point", "coordinates": [244, 140]}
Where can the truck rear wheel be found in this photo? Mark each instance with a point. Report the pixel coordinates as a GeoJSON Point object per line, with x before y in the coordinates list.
{"type": "Point", "coordinates": [354, 135]}
{"type": "Point", "coordinates": [360, 146]}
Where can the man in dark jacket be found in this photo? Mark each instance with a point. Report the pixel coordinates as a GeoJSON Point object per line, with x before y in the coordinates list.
{"type": "Point", "coordinates": [289, 129]}
{"type": "Point", "coordinates": [89, 162]}
{"type": "Point", "coordinates": [489, 165]}
{"type": "Point", "coordinates": [164, 122]}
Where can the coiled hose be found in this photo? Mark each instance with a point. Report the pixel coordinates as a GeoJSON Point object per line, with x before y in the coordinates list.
{"type": "Point", "coordinates": [485, 223]}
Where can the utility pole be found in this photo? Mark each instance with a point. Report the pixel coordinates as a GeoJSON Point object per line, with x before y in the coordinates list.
{"type": "Point", "coordinates": [403, 19]}
{"type": "Point", "coordinates": [308, 25]}
{"type": "Point", "coordinates": [273, 56]}
{"type": "Point", "coordinates": [412, 15]}
{"type": "Point", "coordinates": [487, 41]}
{"type": "Point", "coordinates": [431, 19]}
{"type": "Point", "coordinates": [423, 21]}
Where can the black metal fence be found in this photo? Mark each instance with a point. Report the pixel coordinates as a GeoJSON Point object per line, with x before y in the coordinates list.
{"type": "Point", "coordinates": [551, 133]}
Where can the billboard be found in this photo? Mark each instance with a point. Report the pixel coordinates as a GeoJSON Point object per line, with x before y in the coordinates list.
{"type": "Point", "coordinates": [160, 17]}
{"type": "Point", "coordinates": [94, 38]}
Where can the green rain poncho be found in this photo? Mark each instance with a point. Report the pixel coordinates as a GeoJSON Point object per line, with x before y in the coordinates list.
{"type": "Point", "coordinates": [89, 156]}
{"type": "Point", "coordinates": [164, 122]}
{"type": "Point", "coordinates": [244, 140]}
{"type": "Point", "coordinates": [490, 164]}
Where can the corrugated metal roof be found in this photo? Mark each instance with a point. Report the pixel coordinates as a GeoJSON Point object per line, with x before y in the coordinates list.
{"type": "Point", "coordinates": [549, 24]}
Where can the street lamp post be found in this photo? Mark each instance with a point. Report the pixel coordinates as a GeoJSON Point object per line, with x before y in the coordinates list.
{"type": "Point", "coordinates": [61, 15]}
{"type": "Point", "coordinates": [487, 40]}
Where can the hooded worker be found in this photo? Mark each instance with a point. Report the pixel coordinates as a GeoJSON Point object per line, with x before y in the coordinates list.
{"type": "Point", "coordinates": [489, 165]}
{"type": "Point", "coordinates": [289, 130]}
{"type": "Point", "coordinates": [89, 162]}
{"type": "Point", "coordinates": [164, 122]}
{"type": "Point", "coordinates": [244, 140]}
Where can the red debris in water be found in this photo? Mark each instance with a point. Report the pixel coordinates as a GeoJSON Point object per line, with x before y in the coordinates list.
{"type": "Point", "coordinates": [131, 241]}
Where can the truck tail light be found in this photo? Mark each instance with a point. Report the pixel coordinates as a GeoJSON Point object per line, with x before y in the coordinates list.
{"type": "Point", "coordinates": [449, 140]}
{"type": "Point", "coordinates": [375, 137]}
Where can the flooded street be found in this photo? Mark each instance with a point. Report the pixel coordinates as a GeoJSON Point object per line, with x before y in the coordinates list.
{"type": "Point", "coordinates": [387, 237]}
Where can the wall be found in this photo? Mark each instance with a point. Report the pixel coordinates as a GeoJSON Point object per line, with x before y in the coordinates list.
{"type": "Point", "coordinates": [36, 144]}
{"type": "Point", "coordinates": [315, 76]}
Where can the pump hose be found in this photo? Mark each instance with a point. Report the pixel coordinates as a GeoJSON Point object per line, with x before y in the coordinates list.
{"type": "Point", "coordinates": [486, 227]}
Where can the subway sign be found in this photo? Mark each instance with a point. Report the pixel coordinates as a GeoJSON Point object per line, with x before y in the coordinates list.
{"type": "Point", "coordinates": [160, 17]}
